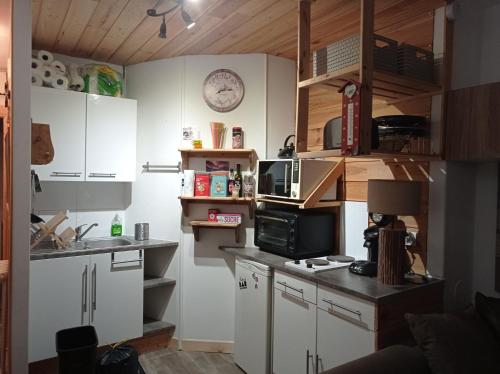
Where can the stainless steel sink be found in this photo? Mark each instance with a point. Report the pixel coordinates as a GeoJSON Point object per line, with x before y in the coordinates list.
{"type": "Point", "coordinates": [100, 243]}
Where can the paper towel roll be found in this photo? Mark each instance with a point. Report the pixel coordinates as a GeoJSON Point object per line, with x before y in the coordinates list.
{"type": "Point", "coordinates": [59, 67]}
{"type": "Point", "coordinates": [76, 80]}
{"type": "Point", "coordinates": [60, 81]}
{"type": "Point", "coordinates": [45, 56]}
{"type": "Point", "coordinates": [36, 79]}
{"type": "Point", "coordinates": [77, 83]}
{"type": "Point", "coordinates": [188, 190]}
{"type": "Point", "coordinates": [47, 74]}
{"type": "Point", "coordinates": [36, 64]}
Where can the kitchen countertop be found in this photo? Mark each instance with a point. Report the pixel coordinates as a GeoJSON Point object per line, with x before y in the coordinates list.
{"type": "Point", "coordinates": [42, 254]}
{"type": "Point", "coordinates": [367, 288]}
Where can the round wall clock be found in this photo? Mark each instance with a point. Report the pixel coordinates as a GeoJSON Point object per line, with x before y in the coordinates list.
{"type": "Point", "coordinates": [223, 90]}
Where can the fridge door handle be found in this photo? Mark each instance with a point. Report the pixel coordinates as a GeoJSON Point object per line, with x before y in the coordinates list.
{"type": "Point", "coordinates": [308, 356]}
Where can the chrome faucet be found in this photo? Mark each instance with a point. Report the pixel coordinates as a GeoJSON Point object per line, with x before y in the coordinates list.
{"type": "Point", "coordinates": [78, 231]}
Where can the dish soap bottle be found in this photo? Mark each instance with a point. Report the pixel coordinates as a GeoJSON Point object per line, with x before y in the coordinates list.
{"type": "Point", "coordinates": [116, 226]}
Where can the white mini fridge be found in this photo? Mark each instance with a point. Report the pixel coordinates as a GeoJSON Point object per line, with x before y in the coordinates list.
{"type": "Point", "coordinates": [252, 346]}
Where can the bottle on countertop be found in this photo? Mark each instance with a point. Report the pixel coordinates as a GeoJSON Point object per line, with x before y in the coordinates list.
{"type": "Point", "coordinates": [238, 180]}
{"type": "Point", "coordinates": [116, 226]}
{"type": "Point", "coordinates": [230, 182]}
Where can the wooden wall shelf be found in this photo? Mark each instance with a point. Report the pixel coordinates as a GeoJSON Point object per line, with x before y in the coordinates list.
{"type": "Point", "coordinates": [381, 155]}
{"type": "Point", "coordinates": [221, 153]}
{"type": "Point", "coordinates": [197, 225]}
{"type": "Point", "coordinates": [185, 201]}
{"type": "Point", "coordinates": [388, 87]}
{"type": "Point", "coordinates": [300, 204]}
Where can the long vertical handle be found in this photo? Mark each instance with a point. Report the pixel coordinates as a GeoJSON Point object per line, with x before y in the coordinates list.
{"type": "Point", "coordinates": [317, 366]}
{"type": "Point", "coordinates": [307, 361]}
{"type": "Point", "coordinates": [94, 292]}
{"type": "Point", "coordinates": [84, 292]}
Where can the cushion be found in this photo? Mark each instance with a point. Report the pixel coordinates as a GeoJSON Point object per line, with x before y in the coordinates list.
{"type": "Point", "coordinates": [456, 344]}
{"type": "Point", "coordinates": [489, 310]}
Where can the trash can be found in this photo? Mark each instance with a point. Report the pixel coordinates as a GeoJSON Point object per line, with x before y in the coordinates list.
{"type": "Point", "coordinates": [77, 349]}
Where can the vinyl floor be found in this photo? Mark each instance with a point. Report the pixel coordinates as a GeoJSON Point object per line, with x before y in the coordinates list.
{"type": "Point", "coordinates": [170, 361]}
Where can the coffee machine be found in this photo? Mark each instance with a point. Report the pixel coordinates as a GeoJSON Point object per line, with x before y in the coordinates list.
{"type": "Point", "coordinates": [371, 234]}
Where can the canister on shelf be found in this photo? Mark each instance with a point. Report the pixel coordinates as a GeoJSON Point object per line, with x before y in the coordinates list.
{"type": "Point", "coordinates": [237, 138]}
{"type": "Point", "coordinates": [141, 231]}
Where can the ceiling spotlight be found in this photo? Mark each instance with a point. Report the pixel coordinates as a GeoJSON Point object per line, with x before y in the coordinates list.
{"type": "Point", "coordinates": [187, 19]}
{"type": "Point", "coordinates": [163, 29]}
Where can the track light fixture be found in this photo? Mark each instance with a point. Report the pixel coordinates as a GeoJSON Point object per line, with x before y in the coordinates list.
{"type": "Point", "coordinates": [163, 27]}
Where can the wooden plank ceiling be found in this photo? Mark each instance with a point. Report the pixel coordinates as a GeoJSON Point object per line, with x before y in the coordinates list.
{"type": "Point", "coordinates": [119, 31]}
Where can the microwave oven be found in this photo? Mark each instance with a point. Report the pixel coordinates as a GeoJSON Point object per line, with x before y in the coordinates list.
{"type": "Point", "coordinates": [295, 235]}
{"type": "Point", "coordinates": [293, 179]}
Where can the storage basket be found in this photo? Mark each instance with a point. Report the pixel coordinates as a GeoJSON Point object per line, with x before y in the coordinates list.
{"type": "Point", "coordinates": [415, 62]}
{"type": "Point", "coordinates": [346, 53]}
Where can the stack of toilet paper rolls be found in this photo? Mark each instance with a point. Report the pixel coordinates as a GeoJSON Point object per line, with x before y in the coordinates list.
{"type": "Point", "coordinates": [48, 72]}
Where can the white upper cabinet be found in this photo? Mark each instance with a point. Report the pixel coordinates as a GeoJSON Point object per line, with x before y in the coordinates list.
{"type": "Point", "coordinates": [65, 112]}
{"type": "Point", "coordinates": [94, 136]}
{"type": "Point", "coordinates": [111, 139]}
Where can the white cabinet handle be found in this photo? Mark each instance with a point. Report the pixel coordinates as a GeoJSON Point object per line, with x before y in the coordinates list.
{"type": "Point", "coordinates": [357, 312]}
{"type": "Point", "coordinates": [62, 174]}
{"type": "Point", "coordinates": [307, 361]}
{"type": "Point", "coordinates": [94, 292]}
{"type": "Point", "coordinates": [102, 175]}
{"type": "Point", "coordinates": [84, 292]}
{"type": "Point", "coordinates": [113, 262]}
{"type": "Point", "coordinates": [284, 284]}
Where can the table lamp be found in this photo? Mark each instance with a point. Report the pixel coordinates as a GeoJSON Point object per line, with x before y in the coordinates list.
{"type": "Point", "coordinates": [393, 198]}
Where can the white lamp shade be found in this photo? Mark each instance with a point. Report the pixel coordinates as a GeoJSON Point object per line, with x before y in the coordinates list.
{"type": "Point", "coordinates": [394, 197]}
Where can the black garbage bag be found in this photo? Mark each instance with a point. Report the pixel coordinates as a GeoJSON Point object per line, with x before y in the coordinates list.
{"type": "Point", "coordinates": [122, 359]}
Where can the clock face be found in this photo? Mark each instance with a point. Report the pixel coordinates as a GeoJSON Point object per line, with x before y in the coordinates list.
{"type": "Point", "coordinates": [223, 90]}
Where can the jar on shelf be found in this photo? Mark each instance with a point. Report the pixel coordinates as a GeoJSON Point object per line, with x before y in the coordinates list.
{"type": "Point", "coordinates": [237, 138]}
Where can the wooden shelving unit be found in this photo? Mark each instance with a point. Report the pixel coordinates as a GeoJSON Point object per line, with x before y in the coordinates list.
{"type": "Point", "coordinates": [221, 153]}
{"type": "Point", "coordinates": [378, 87]}
{"type": "Point", "coordinates": [389, 87]}
{"type": "Point", "coordinates": [185, 201]}
{"type": "Point", "coordinates": [197, 225]}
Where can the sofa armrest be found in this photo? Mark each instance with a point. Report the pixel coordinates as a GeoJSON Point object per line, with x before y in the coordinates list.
{"type": "Point", "coordinates": [394, 359]}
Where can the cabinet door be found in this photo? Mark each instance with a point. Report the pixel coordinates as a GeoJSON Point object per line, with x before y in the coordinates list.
{"type": "Point", "coordinates": [294, 334]}
{"type": "Point", "coordinates": [58, 300]}
{"type": "Point", "coordinates": [111, 139]}
{"type": "Point", "coordinates": [65, 112]}
{"type": "Point", "coordinates": [116, 295]}
{"type": "Point", "coordinates": [340, 341]}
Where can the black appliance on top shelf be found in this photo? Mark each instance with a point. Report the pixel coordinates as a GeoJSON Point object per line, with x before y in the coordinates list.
{"type": "Point", "coordinates": [294, 234]}
{"type": "Point", "coordinates": [389, 133]}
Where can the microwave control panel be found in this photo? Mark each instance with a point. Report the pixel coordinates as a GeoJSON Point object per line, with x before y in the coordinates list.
{"type": "Point", "coordinates": [295, 187]}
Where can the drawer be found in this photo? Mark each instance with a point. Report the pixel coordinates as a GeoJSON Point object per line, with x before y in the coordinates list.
{"type": "Point", "coordinates": [347, 307]}
{"type": "Point", "coordinates": [295, 286]}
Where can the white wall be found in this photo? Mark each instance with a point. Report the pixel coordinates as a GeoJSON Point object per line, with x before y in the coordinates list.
{"type": "Point", "coordinates": [157, 86]}
{"type": "Point", "coordinates": [87, 202]}
{"type": "Point", "coordinates": [21, 123]}
{"type": "Point", "coordinates": [169, 94]}
{"type": "Point", "coordinates": [281, 91]}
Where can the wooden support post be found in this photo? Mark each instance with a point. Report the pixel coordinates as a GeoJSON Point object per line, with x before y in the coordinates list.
{"type": "Point", "coordinates": [303, 72]}
{"type": "Point", "coordinates": [366, 75]}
